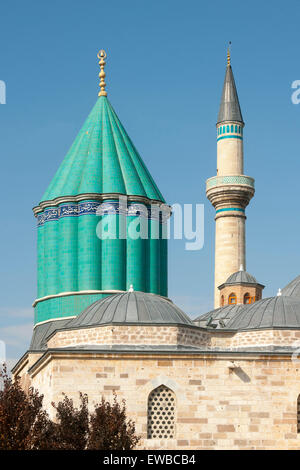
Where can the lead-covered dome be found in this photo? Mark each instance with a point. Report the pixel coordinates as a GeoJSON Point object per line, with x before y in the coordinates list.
{"type": "Point", "coordinates": [240, 277]}
{"type": "Point", "coordinates": [292, 288]}
{"type": "Point", "coordinates": [218, 318]}
{"type": "Point", "coordinates": [273, 312]}
{"type": "Point", "coordinates": [131, 308]}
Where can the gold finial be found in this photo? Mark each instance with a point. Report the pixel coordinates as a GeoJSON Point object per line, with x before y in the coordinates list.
{"type": "Point", "coordinates": [102, 56]}
{"type": "Point", "coordinates": [228, 54]}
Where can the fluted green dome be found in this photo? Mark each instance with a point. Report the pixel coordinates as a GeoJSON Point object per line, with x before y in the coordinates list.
{"type": "Point", "coordinates": [102, 160]}
{"type": "Point", "coordinates": [76, 264]}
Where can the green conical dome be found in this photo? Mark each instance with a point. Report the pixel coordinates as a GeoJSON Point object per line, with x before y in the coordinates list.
{"type": "Point", "coordinates": [76, 265]}
{"type": "Point", "coordinates": [102, 160]}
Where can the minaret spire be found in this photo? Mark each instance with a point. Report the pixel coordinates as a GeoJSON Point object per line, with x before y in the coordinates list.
{"type": "Point", "coordinates": [230, 191]}
{"type": "Point", "coordinates": [102, 56]}
{"type": "Point", "coordinates": [230, 109]}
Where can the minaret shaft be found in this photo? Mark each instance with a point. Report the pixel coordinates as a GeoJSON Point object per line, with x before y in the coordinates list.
{"type": "Point", "coordinates": [230, 157]}
{"type": "Point", "coordinates": [230, 251]}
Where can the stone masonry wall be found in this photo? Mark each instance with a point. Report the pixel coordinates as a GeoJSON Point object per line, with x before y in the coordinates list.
{"type": "Point", "coordinates": [251, 407]}
{"type": "Point", "coordinates": [240, 291]}
{"type": "Point", "coordinates": [131, 334]}
{"type": "Point", "coordinates": [173, 335]}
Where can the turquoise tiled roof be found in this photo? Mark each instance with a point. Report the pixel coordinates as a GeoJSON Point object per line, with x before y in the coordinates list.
{"type": "Point", "coordinates": [102, 160]}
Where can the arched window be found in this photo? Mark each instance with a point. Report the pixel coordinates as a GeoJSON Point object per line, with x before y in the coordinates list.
{"type": "Point", "coordinates": [232, 299]}
{"type": "Point", "coordinates": [227, 128]}
{"type": "Point", "coordinates": [161, 413]}
{"type": "Point", "coordinates": [222, 300]}
{"type": "Point", "coordinates": [298, 414]}
{"type": "Point", "coordinates": [231, 127]}
{"type": "Point", "coordinates": [223, 129]}
{"type": "Point", "coordinates": [247, 298]}
{"type": "Point", "coordinates": [236, 129]}
{"type": "Point", "coordinates": [239, 129]}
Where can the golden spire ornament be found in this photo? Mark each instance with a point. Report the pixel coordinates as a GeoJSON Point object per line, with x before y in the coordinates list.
{"type": "Point", "coordinates": [102, 56]}
{"type": "Point", "coordinates": [228, 54]}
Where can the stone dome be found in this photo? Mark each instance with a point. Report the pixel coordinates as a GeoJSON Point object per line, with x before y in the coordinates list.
{"type": "Point", "coordinates": [273, 312]}
{"type": "Point", "coordinates": [292, 289]}
{"type": "Point", "coordinates": [131, 308]}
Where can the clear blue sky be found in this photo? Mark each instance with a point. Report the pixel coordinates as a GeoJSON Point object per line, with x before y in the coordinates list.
{"type": "Point", "coordinates": [165, 71]}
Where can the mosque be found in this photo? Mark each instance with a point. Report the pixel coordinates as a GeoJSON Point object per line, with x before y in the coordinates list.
{"type": "Point", "coordinates": [229, 379]}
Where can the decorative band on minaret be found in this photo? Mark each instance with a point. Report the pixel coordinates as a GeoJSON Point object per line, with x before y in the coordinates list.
{"type": "Point", "coordinates": [230, 191]}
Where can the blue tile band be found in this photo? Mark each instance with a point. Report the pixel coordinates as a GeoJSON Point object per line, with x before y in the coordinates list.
{"type": "Point", "coordinates": [97, 208]}
{"type": "Point", "coordinates": [229, 137]}
{"type": "Point", "coordinates": [238, 209]}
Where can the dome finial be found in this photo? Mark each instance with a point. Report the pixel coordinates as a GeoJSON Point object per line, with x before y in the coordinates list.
{"type": "Point", "coordinates": [228, 54]}
{"type": "Point", "coordinates": [102, 56]}
{"type": "Point", "coordinates": [279, 292]}
{"type": "Point", "coordinates": [131, 289]}
{"type": "Point", "coordinates": [241, 267]}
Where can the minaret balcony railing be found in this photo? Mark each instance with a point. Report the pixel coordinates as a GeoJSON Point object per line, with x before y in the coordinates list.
{"type": "Point", "coordinates": [230, 180]}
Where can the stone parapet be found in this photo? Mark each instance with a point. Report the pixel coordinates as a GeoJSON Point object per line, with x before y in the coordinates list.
{"type": "Point", "coordinates": [203, 339]}
{"type": "Point", "coordinates": [131, 335]}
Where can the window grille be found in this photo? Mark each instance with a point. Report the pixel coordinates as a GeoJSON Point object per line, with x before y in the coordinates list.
{"type": "Point", "coordinates": [161, 413]}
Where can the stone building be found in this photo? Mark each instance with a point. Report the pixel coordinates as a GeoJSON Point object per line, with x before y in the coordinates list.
{"type": "Point", "coordinates": [228, 379]}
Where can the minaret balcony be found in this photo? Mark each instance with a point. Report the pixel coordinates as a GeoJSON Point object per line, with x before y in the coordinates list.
{"type": "Point", "coordinates": [232, 189]}
{"type": "Point", "coordinates": [229, 180]}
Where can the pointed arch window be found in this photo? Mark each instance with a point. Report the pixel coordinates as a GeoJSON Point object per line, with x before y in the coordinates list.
{"type": "Point", "coordinates": [232, 299]}
{"type": "Point", "coordinates": [247, 298]}
{"type": "Point", "coordinates": [161, 413]}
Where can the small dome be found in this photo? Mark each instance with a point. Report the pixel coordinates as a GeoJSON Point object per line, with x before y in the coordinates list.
{"type": "Point", "coordinates": [241, 277]}
{"type": "Point", "coordinates": [293, 288]}
{"type": "Point", "coordinates": [218, 318]}
{"type": "Point", "coordinates": [131, 308]}
{"type": "Point", "coordinates": [273, 312]}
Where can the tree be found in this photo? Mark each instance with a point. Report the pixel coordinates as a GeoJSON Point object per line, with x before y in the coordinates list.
{"type": "Point", "coordinates": [72, 427]}
{"type": "Point", "coordinates": [24, 425]}
{"type": "Point", "coordinates": [109, 428]}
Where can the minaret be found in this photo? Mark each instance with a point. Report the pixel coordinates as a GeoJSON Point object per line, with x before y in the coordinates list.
{"type": "Point", "coordinates": [230, 191]}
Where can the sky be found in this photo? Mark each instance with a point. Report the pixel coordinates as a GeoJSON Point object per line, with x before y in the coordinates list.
{"type": "Point", "coordinates": [165, 71]}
